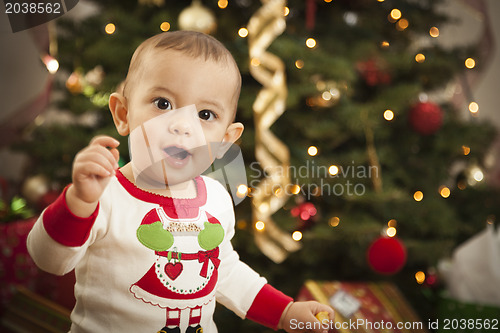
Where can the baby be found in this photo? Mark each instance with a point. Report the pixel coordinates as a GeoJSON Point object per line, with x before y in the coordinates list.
{"type": "Point", "coordinates": [150, 242]}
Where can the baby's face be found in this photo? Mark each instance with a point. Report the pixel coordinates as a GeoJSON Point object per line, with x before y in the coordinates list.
{"type": "Point", "coordinates": [179, 112]}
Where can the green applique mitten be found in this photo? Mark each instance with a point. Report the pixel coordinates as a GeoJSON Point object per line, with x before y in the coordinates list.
{"type": "Point", "coordinates": [155, 237]}
{"type": "Point", "coordinates": [211, 236]}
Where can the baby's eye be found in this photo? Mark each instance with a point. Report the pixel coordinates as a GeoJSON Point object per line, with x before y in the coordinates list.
{"type": "Point", "coordinates": [207, 115]}
{"type": "Point", "coordinates": [162, 103]}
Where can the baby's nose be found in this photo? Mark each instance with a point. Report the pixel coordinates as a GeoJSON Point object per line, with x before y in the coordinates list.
{"type": "Point", "coordinates": [180, 127]}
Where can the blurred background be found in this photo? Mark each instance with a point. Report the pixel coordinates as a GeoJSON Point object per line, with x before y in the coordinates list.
{"type": "Point", "coordinates": [376, 125]}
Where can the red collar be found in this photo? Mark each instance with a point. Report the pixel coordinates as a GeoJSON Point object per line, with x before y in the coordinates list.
{"type": "Point", "coordinates": [198, 201]}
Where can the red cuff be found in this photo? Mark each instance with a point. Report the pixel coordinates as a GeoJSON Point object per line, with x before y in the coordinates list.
{"type": "Point", "coordinates": [268, 306]}
{"type": "Point", "coordinates": [63, 226]}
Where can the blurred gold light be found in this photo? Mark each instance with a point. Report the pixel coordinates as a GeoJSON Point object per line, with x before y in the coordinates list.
{"type": "Point", "coordinates": [470, 63]}
{"type": "Point", "coordinates": [434, 32]}
{"type": "Point", "coordinates": [321, 85]}
{"type": "Point", "coordinates": [392, 223]}
{"type": "Point", "coordinates": [388, 115]}
{"type": "Point", "coordinates": [260, 226]}
{"type": "Point", "coordinates": [420, 58]}
{"type": "Point", "coordinates": [335, 92]}
{"type": "Point", "coordinates": [51, 63]}
{"type": "Point", "coordinates": [418, 196]}
{"type": "Point", "coordinates": [222, 4]}
{"type": "Point", "coordinates": [391, 231]}
{"type": "Point", "coordinates": [328, 1]}
{"type": "Point", "coordinates": [278, 192]}
{"type": "Point", "coordinates": [326, 95]}
{"type": "Point", "coordinates": [165, 26]}
{"type": "Point", "coordinates": [395, 14]}
{"type": "Point", "coordinates": [286, 11]}
{"type": "Point", "coordinates": [312, 151]}
{"type": "Point", "coordinates": [241, 224]}
{"type": "Point", "coordinates": [473, 107]}
{"type": "Point", "coordinates": [110, 28]}
{"type": "Point", "coordinates": [242, 191]}
{"type": "Point", "coordinates": [466, 150]}
{"type": "Point", "coordinates": [264, 207]}
{"type": "Point", "coordinates": [296, 236]}
{"type": "Point", "coordinates": [444, 191]}
{"type": "Point", "coordinates": [299, 64]}
{"type": "Point", "coordinates": [478, 175]}
{"type": "Point", "coordinates": [334, 221]}
{"type": "Point", "coordinates": [316, 191]}
{"type": "Point", "coordinates": [255, 62]}
{"type": "Point", "coordinates": [310, 43]}
{"type": "Point", "coordinates": [333, 170]}
{"type": "Point", "coordinates": [385, 44]}
{"type": "Point", "coordinates": [420, 277]}
{"type": "Point", "coordinates": [295, 189]}
{"type": "Point", "coordinates": [243, 32]}
{"type": "Point", "coordinates": [402, 24]}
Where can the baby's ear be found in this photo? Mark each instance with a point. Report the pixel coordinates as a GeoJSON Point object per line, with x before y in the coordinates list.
{"type": "Point", "coordinates": [233, 133]}
{"type": "Point", "coordinates": [119, 111]}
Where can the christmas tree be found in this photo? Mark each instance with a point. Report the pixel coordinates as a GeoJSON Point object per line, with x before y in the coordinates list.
{"type": "Point", "coordinates": [373, 154]}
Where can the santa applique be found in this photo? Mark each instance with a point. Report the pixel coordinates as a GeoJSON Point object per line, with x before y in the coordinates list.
{"type": "Point", "coordinates": [185, 273]}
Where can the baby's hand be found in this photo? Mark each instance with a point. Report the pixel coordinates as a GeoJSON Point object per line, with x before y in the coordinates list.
{"type": "Point", "coordinates": [92, 168]}
{"type": "Point", "coordinates": [301, 317]}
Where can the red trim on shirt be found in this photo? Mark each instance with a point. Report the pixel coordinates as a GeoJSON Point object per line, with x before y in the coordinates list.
{"type": "Point", "coordinates": [65, 227]}
{"type": "Point", "coordinates": [268, 306]}
{"type": "Point", "coordinates": [143, 195]}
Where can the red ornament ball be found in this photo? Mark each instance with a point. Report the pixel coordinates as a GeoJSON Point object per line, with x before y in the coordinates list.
{"type": "Point", "coordinates": [387, 255]}
{"type": "Point", "coordinates": [305, 211]}
{"type": "Point", "coordinates": [426, 118]}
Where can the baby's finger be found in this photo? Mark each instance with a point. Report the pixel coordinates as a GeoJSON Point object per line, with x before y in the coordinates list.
{"type": "Point", "coordinates": [101, 156]}
{"type": "Point", "coordinates": [110, 154]}
{"type": "Point", "coordinates": [95, 170]}
{"type": "Point", "coordinates": [116, 156]}
{"type": "Point", "coordinates": [108, 142]}
{"type": "Point", "coordinates": [105, 141]}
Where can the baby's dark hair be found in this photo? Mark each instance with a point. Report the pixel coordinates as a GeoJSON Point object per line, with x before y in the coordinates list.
{"type": "Point", "coordinates": [195, 44]}
{"type": "Point", "coordinates": [192, 43]}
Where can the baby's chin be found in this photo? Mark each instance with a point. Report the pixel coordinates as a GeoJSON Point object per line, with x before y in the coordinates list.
{"type": "Point", "coordinates": [159, 176]}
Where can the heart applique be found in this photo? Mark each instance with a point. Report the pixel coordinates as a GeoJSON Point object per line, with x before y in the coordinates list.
{"type": "Point", "coordinates": [173, 270]}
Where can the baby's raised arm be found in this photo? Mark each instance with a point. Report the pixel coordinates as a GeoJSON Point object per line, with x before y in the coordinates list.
{"type": "Point", "coordinates": [92, 169]}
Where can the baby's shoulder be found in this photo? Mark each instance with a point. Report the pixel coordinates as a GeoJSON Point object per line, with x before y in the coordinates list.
{"type": "Point", "coordinates": [217, 195]}
{"type": "Point", "coordinates": [115, 194]}
{"type": "Point", "coordinates": [213, 184]}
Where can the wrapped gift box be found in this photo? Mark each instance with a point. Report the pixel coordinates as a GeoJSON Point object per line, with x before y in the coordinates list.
{"type": "Point", "coordinates": [18, 269]}
{"type": "Point", "coordinates": [16, 266]}
{"type": "Point", "coordinates": [29, 312]}
{"type": "Point", "coordinates": [364, 307]}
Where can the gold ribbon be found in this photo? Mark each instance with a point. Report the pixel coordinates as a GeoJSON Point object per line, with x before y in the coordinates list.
{"type": "Point", "coordinates": [272, 154]}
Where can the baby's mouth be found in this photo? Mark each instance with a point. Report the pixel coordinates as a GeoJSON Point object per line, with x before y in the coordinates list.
{"type": "Point", "coordinates": [178, 153]}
